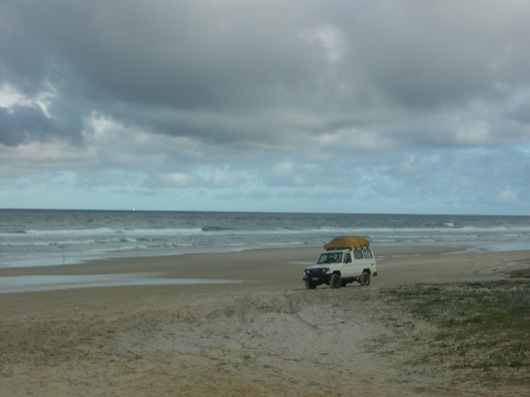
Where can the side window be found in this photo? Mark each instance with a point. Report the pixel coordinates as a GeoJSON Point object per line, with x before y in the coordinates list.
{"type": "Point", "coordinates": [367, 254]}
{"type": "Point", "coordinates": [358, 254]}
{"type": "Point", "coordinates": [348, 258]}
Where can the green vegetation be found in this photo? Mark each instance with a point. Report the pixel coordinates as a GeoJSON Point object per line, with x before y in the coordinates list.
{"type": "Point", "coordinates": [481, 325]}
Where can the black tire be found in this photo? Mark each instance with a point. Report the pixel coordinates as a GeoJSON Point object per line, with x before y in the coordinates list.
{"type": "Point", "coordinates": [364, 280]}
{"type": "Point", "coordinates": [310, 284]}
{"type": "Point", "coordinates": [335, 281]}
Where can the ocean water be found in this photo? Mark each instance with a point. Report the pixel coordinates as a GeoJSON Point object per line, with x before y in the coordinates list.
{"type": "Point", "coordinates": [43, 237]}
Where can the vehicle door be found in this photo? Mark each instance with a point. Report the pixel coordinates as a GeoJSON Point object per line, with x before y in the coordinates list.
{"type": "Point", "coordinates": [347, 268]}
{"type": "Point", "coordinates": [369, 259]}
{"type": "Point", "coordinates": [358, 263]}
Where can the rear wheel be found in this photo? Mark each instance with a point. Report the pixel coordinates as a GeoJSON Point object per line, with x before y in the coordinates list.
{"type": "Point", "coordinates": [365, 279]}
{"type": "Point", "coordinates": [335, 281]}
{"type": "Point", "coordinates": [310, 284]}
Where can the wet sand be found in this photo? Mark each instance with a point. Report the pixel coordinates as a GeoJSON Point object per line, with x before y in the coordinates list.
{"type": "Point", "coordinates": [259, 332]}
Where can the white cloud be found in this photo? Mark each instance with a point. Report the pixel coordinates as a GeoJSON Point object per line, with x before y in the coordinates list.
{"type": "Point", "coordinates": [329, 39]}
{"type": "Point", "coordinates": [176, 179]}
{"type": "Point", "coordinates": [476, 132]}
{"type": "Point", "coordinates": [508, 196]}
{"type": "Point", "coordinates": [11, 97]}
{"type": "Point", "coordinates": [55, 155]}
{"type": "Point", "coordinates": [223, 178]}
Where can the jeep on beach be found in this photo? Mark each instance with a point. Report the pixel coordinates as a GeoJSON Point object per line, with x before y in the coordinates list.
{"type": "Point", "coordinates": [347, 259]}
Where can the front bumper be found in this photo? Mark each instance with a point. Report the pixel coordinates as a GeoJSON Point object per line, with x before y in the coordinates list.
{"type": "Point", "coordinates": [316, 276]}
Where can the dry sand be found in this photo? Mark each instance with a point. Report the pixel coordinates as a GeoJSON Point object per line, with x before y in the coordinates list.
{"type": "Point", "coordinates": [264, 336]}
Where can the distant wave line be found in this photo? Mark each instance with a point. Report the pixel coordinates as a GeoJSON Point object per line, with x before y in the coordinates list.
{"type": "Point", "coordinates": [167, 232]}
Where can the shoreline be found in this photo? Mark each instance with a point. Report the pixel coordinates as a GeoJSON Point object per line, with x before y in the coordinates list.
{"type": "Point", "coordinates": [202, 268]}
{"type": "Point", "coordinates": [137, 270]}
{"type": "Point", "coordinates": [132, 269]}
{"type": "Point", "coordinates": [80, 259]}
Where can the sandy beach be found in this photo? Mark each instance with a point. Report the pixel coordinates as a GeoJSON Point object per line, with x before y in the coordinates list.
{"type": "Point", "coordinates": [249, 329]}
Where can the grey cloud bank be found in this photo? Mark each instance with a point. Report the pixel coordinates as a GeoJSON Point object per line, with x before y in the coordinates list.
{"type": "Point", "coordinates": [354, 106]}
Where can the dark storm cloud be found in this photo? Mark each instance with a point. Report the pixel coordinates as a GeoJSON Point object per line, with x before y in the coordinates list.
{"type": "Point", "coordinates": [141, 61]}
{"type": "Point", "coordinates": [169, 53]}
{"type": "Point", "coordinates": [22, 124]}
{"type": "Point", "coordinates": [430, 54]}
{"type": "Point", "coordinates": [203, 70]}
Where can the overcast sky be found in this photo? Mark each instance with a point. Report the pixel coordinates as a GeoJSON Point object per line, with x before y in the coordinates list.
{"type": "Point", "coordinates": [322, 106]}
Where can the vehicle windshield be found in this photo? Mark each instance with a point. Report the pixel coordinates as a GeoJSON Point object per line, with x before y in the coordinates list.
{"type": "Point", "coordinates": [335, 257]}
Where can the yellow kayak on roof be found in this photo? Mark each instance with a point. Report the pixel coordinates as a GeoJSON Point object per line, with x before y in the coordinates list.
{"type": "Point", "coordinates": [350, 242]}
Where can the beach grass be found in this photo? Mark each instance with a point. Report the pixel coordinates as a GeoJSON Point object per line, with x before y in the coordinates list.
{"type": "Point", "coordinates": [478, 325]}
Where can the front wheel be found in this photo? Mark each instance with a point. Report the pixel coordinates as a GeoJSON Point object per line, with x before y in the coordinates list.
{"type": "Point", "coordinates": [335, 281]}
{"type": "Point", "coordinates": [364, 280]}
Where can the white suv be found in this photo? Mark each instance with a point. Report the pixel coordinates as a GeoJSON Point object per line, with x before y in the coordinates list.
{"type": "Point", "coordinates": [340, 267]}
